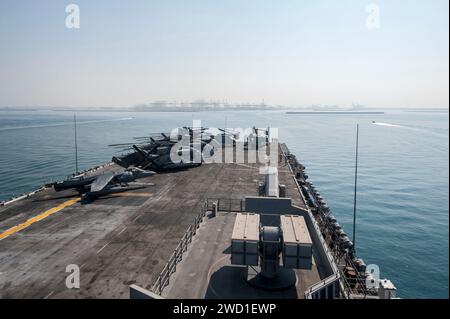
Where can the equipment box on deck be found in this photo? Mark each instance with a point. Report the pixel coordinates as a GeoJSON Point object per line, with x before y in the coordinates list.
{"type": "Point", "coordinates": [297, 243]}
{"type": "Point", "coordinates": [245, 239]}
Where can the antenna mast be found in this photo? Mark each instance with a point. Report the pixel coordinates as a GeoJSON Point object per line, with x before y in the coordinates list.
{"type": "Point", "coordinates": [76, 144]}
{"type": "Point", "coordinates": [356, 187]}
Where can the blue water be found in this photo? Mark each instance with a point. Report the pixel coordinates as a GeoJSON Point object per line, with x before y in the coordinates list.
{"type": "Point", "coordinates": [402, 223]}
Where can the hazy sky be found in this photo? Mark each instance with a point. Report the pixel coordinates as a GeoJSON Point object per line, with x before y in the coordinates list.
{"type": "Point", "coordinates": [294, 53]}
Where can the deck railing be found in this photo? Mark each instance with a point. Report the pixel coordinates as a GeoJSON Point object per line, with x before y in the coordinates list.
{"type": "Point", "coordinates": [226, 204]}
{"type": "Point", "coordinates": [314, 292]}
{"type": "Point", "coordinates": [163, 280]}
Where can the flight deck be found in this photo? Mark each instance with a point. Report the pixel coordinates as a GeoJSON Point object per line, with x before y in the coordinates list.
{"type": "Point", "coordinates": [117, 240]}
{"type": "Point", "coordinates": [171, 235]}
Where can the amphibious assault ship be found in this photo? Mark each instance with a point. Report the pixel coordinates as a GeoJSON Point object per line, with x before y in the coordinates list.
{"type": "Point", "coordinates": [225, 229]}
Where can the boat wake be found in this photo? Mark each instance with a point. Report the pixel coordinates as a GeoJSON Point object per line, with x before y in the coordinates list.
{"type": "Point", "coordinates": [417, 129]}
{"type": "Point", "coordinates": [389, 125]}
{"type": "Point", "coordinates": [63, 124]}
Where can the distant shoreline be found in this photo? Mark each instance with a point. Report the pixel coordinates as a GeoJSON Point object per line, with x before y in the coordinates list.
{"type": "Point", "coordinates": [288, 111]}
{"type": "Point", "coordinates": [166, 110]}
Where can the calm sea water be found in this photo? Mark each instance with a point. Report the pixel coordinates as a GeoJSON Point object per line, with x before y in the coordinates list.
{"type": "Point", "coordinates": [403, 207]}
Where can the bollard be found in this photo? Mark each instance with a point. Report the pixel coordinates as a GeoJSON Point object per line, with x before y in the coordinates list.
{"type": "Point", "coordinates": [214, 209]}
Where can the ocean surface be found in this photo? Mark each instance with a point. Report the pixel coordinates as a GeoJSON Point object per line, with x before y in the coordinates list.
{"type": "Point", "coordinates": [403, 199]}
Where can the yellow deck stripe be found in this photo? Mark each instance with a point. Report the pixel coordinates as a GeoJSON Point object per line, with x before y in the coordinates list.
{"type": "Point", "coordinates": [37, 218]}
